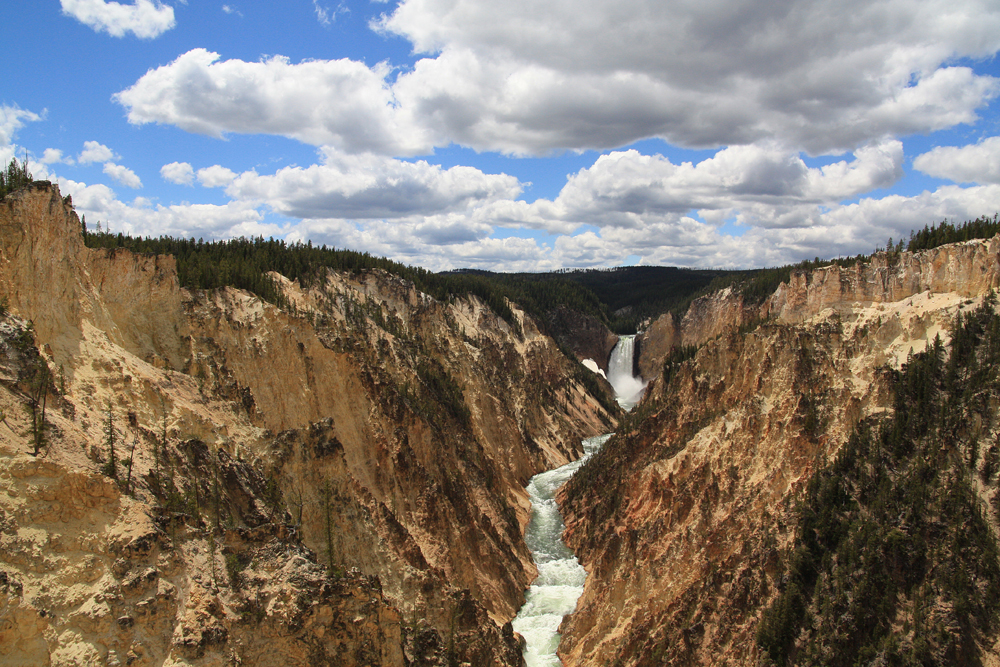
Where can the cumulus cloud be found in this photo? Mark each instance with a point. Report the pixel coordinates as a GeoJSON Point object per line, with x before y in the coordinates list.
{"type": "Point", "coordinates": [370, 186]}
{"type": "Point", "coordinates": [11, 120]}
{"type": "Point", "coordinates": [809, 75]}
{"type": "Point", "coordinates": [96, 152]}
{"type": "Point", "coordinates": [145, 19]}
{"type": "Point", "coordinates": [816, 75]}
{"type": "Point", "coordinates": [99, 203]}
{"type": "Point", "coordinates": [625, 204]}
{"type": "Point", "coordinates": [841, 230]}
{"type": "Point", "coordinates": [756, 185]}
{"type": "Point", "coordinates": [978, 163]}
{"type": "Point", "coordinates": [216, 176]}
{"type": "Point", "coordinates": [180, 173]}
{"type": "Point", "coordinates": [123, 175]}
{"type": "Point", "coordinates": [415, 245]}
{"type": "Point", "coordinates": [55, 156]}
{"type": "Point", "coordinates": [675, 240]}
{"type": "Point", "coordinates": [342, 103]}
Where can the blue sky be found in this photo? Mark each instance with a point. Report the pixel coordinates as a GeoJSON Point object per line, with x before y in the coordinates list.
{"type": "Point", "coordinates": [461, 133]}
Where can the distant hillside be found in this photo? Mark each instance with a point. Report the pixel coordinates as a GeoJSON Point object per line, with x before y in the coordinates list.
{"type": "Point", "coordinates": [619, 298]}
{"type": "Point", "coordinates": [627, 294]}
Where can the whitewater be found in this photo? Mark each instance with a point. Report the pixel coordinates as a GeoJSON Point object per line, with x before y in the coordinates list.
{"type": "Point", "coordinates": [560, 580]}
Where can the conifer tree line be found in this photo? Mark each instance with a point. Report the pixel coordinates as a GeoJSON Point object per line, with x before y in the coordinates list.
{"type": "Point", "coordinates": [621, 297]}
{"type": "Point", "coordinates": [244, 263]}
{"type": "Point", "coordinates": [14, 177]}
{"type": "Point", "coordinates": [946, 232]}
{"type": "Point", "coordinates": [894, 561]}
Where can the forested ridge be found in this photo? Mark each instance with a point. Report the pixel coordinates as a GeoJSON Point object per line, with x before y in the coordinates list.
{"type": "Point", "coordinates": [946, 232]}
{"type": "Point", "coordinates": [244, 263]}
{"type": "Point", "coordinates": [14, 177]}
{"type": "Point", "coordinates": [894, 560]}
{"type": "Point", "coordinates": [622, 298]}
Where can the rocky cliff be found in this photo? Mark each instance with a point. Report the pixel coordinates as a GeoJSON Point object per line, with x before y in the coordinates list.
{"type": "Point", "coordinates": [967, 269]}
{"type": "Point", "coordinates": [686, 544]}
{"type": "Point", "coordinates": [585, 336]}
{"type": "Point", "coordinates": [220, 479]}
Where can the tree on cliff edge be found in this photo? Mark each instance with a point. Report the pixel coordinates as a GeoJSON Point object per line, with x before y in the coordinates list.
{"type": "Point", "coordinates": [14, 177]}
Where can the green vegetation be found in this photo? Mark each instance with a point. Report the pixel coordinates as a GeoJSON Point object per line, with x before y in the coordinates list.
{"type": "Point", "coordinates": [633, 293]}
{"type": "Point", "coordinates": [620, 297]}
{"type": "Point", "coordinates": [35, 379]}
{"type": "Point", "coordinates": [894, 561]}
{"type": "Point", "coordinates": [245, 263]}
{"type": "Point", "coordinates": [938, 235]}
{"type": "Point", "coordinates": [110, 438]}
{"type": "Point", "coordinates": [38, 394]}
{"type": "Point", "coordinates": [14, 177]}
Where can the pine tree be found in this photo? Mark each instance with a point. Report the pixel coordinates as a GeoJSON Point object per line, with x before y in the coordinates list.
{"type": "Point", "coordinates": [111, 467]}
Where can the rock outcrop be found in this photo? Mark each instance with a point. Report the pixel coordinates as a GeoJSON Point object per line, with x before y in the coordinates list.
{"type": "Point", "coordinates": [587, 337]}
{"type": "Point", "coordinates": [683, 546]}
{"type": "Point", "coordinates": [338, 480]}
{"type": "Point", "coordinates": [964, 269]}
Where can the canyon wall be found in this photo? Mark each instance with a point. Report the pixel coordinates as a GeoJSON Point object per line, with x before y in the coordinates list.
{"type": "Point", "coordinates": [964, 269]}
{"type": "Point", "coordinates": [585, 336]}
{"type": "Point", "coordinates": [685, 544]}
{"type": "Point", "coordinates": [339, 479]}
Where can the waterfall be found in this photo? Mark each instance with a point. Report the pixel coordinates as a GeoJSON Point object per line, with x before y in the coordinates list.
{"type": "Point", "coordinates": [560, 580]}
{"type": "Point", "coordinates": [628, 388]}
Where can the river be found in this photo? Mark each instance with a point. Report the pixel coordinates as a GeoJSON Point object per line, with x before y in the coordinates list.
{"type": "Point", "coordinates": [560, 580]}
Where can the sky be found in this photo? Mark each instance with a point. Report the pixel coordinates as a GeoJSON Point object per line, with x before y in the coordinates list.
{"type": "Point", "coordinates": [515, 136]}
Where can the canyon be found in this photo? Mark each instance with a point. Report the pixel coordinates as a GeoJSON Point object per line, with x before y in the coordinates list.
{"type": "Point", "coordinates": [342, 479]}
{"type": "Point", "coordinates": [688, 551]}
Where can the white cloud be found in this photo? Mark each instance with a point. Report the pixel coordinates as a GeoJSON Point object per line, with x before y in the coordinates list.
{"type": "Point", "coordinates": [327, 16]}
{"type": "Point", "coordinates": [370, 186]}
{"type": "Point", "coordinates": [630, 204]}
{"type": "Point", "coordinates": [680, 240]}
{"type": "Point", "coordinates": [99, 203]}
{"type": "Point", "coordinates": [978, 163]}
{"type": "Point", "coordinates": [143, 18]}
{"type": "Point", "coordinates": [11, 120]}
{"type": "Point", "coordinates": [625, 204]}
{"type": "Point", "coordinates": [180, 173]}
{"type": "Point", "coordinates": [843, 230]}
{"type": "Point", "coordinates": [342, 103]}
{"type": "Point", "coordinates": [215, 176]}
{"type": "Point", "coordinates": [809, 75]}
{"type": "Point", "coordinates": [96, 152]}
{"type": "Point", "coordinates": [757, 185]}
{"type": "Point", "coordinates": [123, 175]}
{"type": "Point", "coordinates": [55, 156]}
{"type": "Point", "coordinates": [229, 9]}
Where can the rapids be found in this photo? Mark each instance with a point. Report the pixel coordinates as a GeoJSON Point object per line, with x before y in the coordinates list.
{"type": "Point", "coordinates": [559, 585]}
{"type": "Point", "coordinates": [560, 576]}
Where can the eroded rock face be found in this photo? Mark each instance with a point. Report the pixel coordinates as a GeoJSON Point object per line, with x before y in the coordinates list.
{"type": "Point", "coordinates": [90, 575]}
{"type": "Point", "coordinates": [683, 545]}
{"type": "Point", "coordinates": [585, 336]}
{"type": "Point", "coordinates": [964, 269]}
{"type": "Point", "coordinates": [341, 478]}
